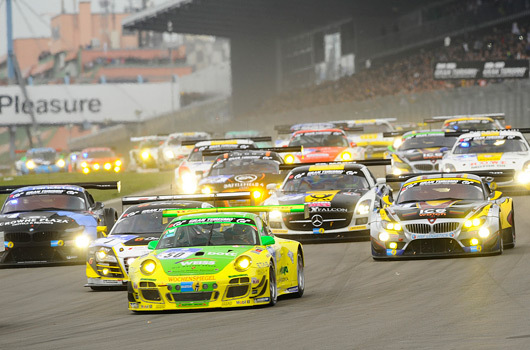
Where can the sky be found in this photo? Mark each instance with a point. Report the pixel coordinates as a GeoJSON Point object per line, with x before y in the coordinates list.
{"type": "Point", "coordinates": [31, 18]}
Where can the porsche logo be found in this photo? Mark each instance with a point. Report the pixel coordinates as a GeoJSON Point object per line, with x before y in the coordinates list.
{"type": "Point", "coordinates": [317, 220]}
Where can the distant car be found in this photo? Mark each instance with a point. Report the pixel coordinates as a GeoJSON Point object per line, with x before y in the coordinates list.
{"type": "Point", "coordinates": [171, 153]}
{"type": "Point", "coordinates": [39, 161]}
{"type": "Point", "coordinates": [210, 259]}
{"type": "Point", "coordinates": [341, 198]}
{"type": "Point", "coordinates": [419, 151]}
{"type": "Point", "coordinates": [250, 170]}
{"type": "Point", "coordinates": [46, 224]}
{"type": "Point", "coordinates": [471, 122]}
{"type": "Point", "coordinates": [99, 159]}
{"type": "Point", "coordinates": [443, 215]}
{"type": "Point", "coordinates": [491, 150]}
{"type": "Point", "coordinates": [145, 155]}
{"type": "Point", "coordinates": [197, 165]}
{"type": "Point", "coordinates": [109, 258]}
{"type": "Point", "coordinates": [323, 145]}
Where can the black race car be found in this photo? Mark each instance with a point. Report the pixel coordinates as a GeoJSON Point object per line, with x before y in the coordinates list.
{"type": "Point", "coordinates": [249, 170]}
{"type": "Point", "coordinates": [45, 224]}
{"type": "Point", "coordinates": [341, 198]}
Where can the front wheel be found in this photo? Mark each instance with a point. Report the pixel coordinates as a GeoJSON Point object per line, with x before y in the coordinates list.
{"type": "Point", "coordinates": [300, 275]}
{"type": "Point", "coordinates": [273, 290]}
{"type": "Point", "coordinates": [510, 233]}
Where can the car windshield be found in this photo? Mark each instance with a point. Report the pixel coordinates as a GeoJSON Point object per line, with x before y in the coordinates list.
{"type": "Point", "coordinates": [244, 166]}
{"type": "Point", "coordinates": [140, 222]}
{"type": "Point", "coordinates": [490, 146]}
{"type": "Point", "coordinates": [471, 125]}
{"type": "Point", "coordinates": [319, 139]}
{"type": "Point", "coordinates": [99, 154]}
{"type": "Point", "coordinates": [189, 233]}
{"type": "Point", "coordinates": [196, 156]}
{"type": "Point", "coordinates": [149, 144]}
{"type": "Point", "coordinates": [427, 142]}
{"type": "Point", "coordinates": [433, 190]}
{"type": "Point", "coordinates": [43, 155]}
{"type": "Point", "coordinates": [372, 129]}
{"type": "Point", "coordinates": [324, 182]}
{"type": "Point", "coordinates": [36, 202]}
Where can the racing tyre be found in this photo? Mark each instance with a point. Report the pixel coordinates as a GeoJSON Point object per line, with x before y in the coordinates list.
{"type": "Point", "coordinates": [272, 286]}
{"type": "Point", "coordinates": [110, 216]}
{"type": "Point", "coordinates": [509, 234]}
{"type": "Point", "coordinates": [300, 275]}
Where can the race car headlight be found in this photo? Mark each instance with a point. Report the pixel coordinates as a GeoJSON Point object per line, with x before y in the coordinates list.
{"type": "Point", "coordinates": [96, 166]}
{"type": "Point", "coordinates": [397, 142]}
{"type": "Point", "coordinates": [130, 261]}
{"type": "Point", "coordinates": [345, 156]}
{"type": "Point", "coordinates": [105, 254]}
{"type": "Point", "coordinates": [60, 163]}
{"type": "Point", "coordinates": [275, 215]}
{"type": "Point", "coordinates": [189, 182]}
{"type": "Point", "coordinates": [206, 190]}
{"type": "Point", "coordinates": [397, 172]}
{"type": "Point", "coordinates": [363, 208]}
{"type": "Point", "coordinates": [523, 177]}
{"type": "Point", "coordinates": [242, 263]}
{"type": "Point", "coordinates": [86, 170]}
{"type": "Point", "coordinates": [107, 166]}
{"type": "Point", "coordinates": [484, 232]}
{"type": "Point", "coordinates": [289, 159]}
{"type": "Point", "coordinates": [392, 226]}
{"type": "Point", "coordinates": [448, 168]}
{"type": "Point", "coordinates": [256, 194]}
{"type": "Point", "coordinates": [117, 163]}
{"type": "Point", "coordinates": [472, 224]}
{"type": "Point", "coordinates": [82, 241]}
{"type": "Point", "coordinates": [84, 164]}
{"type": "Point", "coordinates": [30, 164]}
{"type": "Point", "coordinates": [384, 236]}
{"type": "Point", "coordinates": [169, 154]}
{"type": "Point", "coordinates": [117, 169]}
{"type": "Point", "coordinates": [148, 267]}
{"type": "Point", "coordinates": [145, 155]}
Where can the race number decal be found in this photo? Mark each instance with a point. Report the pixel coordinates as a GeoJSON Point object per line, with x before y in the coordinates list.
{"type": "Point", "coordinates": [178, 253]}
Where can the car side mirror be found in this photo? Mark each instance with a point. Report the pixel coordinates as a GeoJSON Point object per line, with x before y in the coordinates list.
{"type": "Point", "coordinates": [386, 200]}
{"type": "Point", "coordinates": [271, 187]}
{"type": "Point", "coordinates": [152, 245]}
{"type": "Point", "coordinates": [198, 174]}
{"type": "Point", "coordinates": [495, 195]}
{"type": "Point", "coordinates": [98, 206]}
{"type": "Point", "coordinates": [381, 181]}
{"type": "Point", "coordinates": [102, 230]}
{"type": "Point", "coordinates": [353, 144]}
{"type": "Point", "coordinates": [267, 240]}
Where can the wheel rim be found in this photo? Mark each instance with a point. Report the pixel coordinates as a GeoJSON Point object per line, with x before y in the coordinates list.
{"type": "Point", "coordinates": [272, 284]}
{"type": "Point", "coordinates": [301, 278]}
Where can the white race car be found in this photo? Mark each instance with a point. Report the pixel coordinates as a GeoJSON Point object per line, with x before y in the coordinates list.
{"type": "Point", "coordinates": [490, 150]}
{"type": "Point", "coordinates": [172, 152]}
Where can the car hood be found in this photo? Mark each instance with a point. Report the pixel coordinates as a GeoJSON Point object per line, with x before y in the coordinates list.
{"type": "Point", "coordinates": [241, 181]}
{"type": "Point", "coordinates": [415, 155]}
{"type": "Point", "coordinates": [320, 200]}
{"type": "Point", "coordinates": [126, 240]}
{"type": "Point", "coordinates": [441, 209]}
{"type": "Point", "coordinates": [45, 221]}
{"type": "Point", "coordinates": [206, 260]}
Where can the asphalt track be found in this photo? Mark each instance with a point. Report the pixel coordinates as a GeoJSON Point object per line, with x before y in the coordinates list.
{"type": "Point", "coordinates": [351, 302]}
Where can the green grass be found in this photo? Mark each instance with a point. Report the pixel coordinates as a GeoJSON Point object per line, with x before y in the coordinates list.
{"type": "Point", "coordinates": [131, 182]}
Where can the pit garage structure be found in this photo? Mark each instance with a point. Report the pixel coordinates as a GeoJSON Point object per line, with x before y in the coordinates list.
{"type": "Point", "coordinates": [276, 44]}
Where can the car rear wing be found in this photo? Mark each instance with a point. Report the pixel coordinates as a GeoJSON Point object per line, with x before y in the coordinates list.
{"type": "Point", "coordinates": [506, 174]}
{"type": "Point", "coordinates": [440, 119]}
{"type": "Point", "coordinates": [459, 133]}
{"type": "Point", "coordinates": [295, 208]}
{"type": "Point", "coordinates": [289, 129]}
{"type": "Point", "coordinates": [366, 162]}
{"type": "Point", "coordinates": [105, 185]}
{"type": "Point", "coordinates": [209, 152]}
{"type": "Point", "coordinates": [149, 138]}
{"type": "Point", "coordinates": [254, 139]}
{"type": "Point", "coordinates": [212, 197]}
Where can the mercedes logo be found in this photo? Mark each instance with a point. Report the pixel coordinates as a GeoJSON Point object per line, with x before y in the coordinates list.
{"type": "Point", "coordinates": [317, 220]}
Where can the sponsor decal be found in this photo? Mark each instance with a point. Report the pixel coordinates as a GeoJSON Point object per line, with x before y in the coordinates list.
{"type": "Point", "coordinates": [433, 212]}
{"type": "Point", "coordinates": [498, 69]}
{"type": "Point", "coordinates": [433, 235]}
{"type": "Point", "coordinates": [221, 253]}
{"type": "Point", "coordinates": [394, 252]}
{"type": "Point", "coordinates": [284, 270]}
{"type": "Point", "coordinates": [133, 305]}
{"type": "Point", "coordinates": [274, 230]}
{"type": "Point", "coordinates": [262, 300]}
{"type": "Point", "coordinates": [358, 227]}
{"type": "Point", "coordinates": [210, 220]}
{"type": "Point", "coordinates": [177, 253]}
{"type": "Point", "coordinates": [318, 204]}
{"type": "Point", "coordinates": [475, 249]}
{"type": "Point", "coordinates": [246, 178]}
{"type": "Point", "coordinates": [226, 303]}
{"type": "Point", "coordinates": [190, 278]}
{"type": "Point", "coordinates": [255, 280]}
{"type": "Point", "coordinates": [291, 256]}
{"type": "Point", "coordinates": [242, 302]}
{"type": "Point", "coordinates": [292, 289]}
{"type": "Point", "coordinates": [196, 262]}
{"type": "Point", "coordinates": [318, 230]}
{"type": "Point", "coordinates": [328, 210]}
{"type": "Point", "coordinates": [34, 221]}
{"type": "Point", "coordinates": [320, 196]}
{"type": "Point", "coordinates": [262, 264]}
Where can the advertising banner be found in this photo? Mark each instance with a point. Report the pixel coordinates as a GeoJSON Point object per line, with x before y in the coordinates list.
{"type": "Point", "coordinates": [499, 69]}
{"type": "Point", "coordinates": [81, 104]}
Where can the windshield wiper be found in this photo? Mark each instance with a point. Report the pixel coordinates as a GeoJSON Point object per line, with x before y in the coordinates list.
{"type": "Point", "coordinates": [210, 236]}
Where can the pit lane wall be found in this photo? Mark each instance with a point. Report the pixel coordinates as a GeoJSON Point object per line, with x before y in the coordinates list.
{"type": "Point", "coordinates": [510, 97]}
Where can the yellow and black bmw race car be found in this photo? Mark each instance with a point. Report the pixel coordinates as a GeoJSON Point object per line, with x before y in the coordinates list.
{"type": "Point", "coordinates": [216, 258]}
{"type": "Point", "coordinates": [444, 215]}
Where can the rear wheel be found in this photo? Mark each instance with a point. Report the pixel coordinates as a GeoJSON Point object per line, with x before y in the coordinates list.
{"type": "Point", "coordinates": [110, 216]}
{"type": "Point", "coordinates": [273, 290]}
{"type": "Point", "coordinates": [509, 234]}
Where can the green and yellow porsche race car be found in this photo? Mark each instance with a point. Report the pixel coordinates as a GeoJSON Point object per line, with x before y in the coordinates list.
{"type": "Point", "coordinates": [217, 258]}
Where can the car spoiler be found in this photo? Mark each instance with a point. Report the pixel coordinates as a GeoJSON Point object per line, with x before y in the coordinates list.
{"type": "Point", "coordinates": [507, 174]}
{"type": "Point", "coordinates": [439, 119]}
{"type": "Point", "coordinates": [458, 133]}
{"type": "Point", "coordinates": [366, 162]}
{"type": "Point", "coordinates": [264, 149]}
{"type": "Point", "coordinates": [255, 139]}
{"type": "Point", "coordinates": [152, 137]}
{"type": "Point", "coordinates": [288, 129]}
{"type": "Point", "coordinates": [213, 197]}
{"type": "Point", "coordinates": [105, 185]}
{"type": "Point", "coordinates": [294, 208]}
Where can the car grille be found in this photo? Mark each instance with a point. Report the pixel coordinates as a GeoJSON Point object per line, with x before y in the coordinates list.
{"type": "Point", "coordinates": [445, 227]}
{"type": "Point", "coordinates": [433, 246]}
{"type": "Point", "coordinates": [418, 228]}
{"type": "Point", "coordinates": [424, 167]}
{"type": "Point", "coordinates": [17, 237]}
{"type": "Point", "coordinates": [113, 270]}
{"type": "Point", "coordinates": [46, 236]}
{"type": "Point", "coordinates": [237, 291]}
{"type": "Point", "coordinates": [196, 296]}
{"type": "Point", "coordinates": [297, 222]}
{"type": "Point", "coordinates": [150, 294]}
{"type": "Point", "coordinates": [33, 254]}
